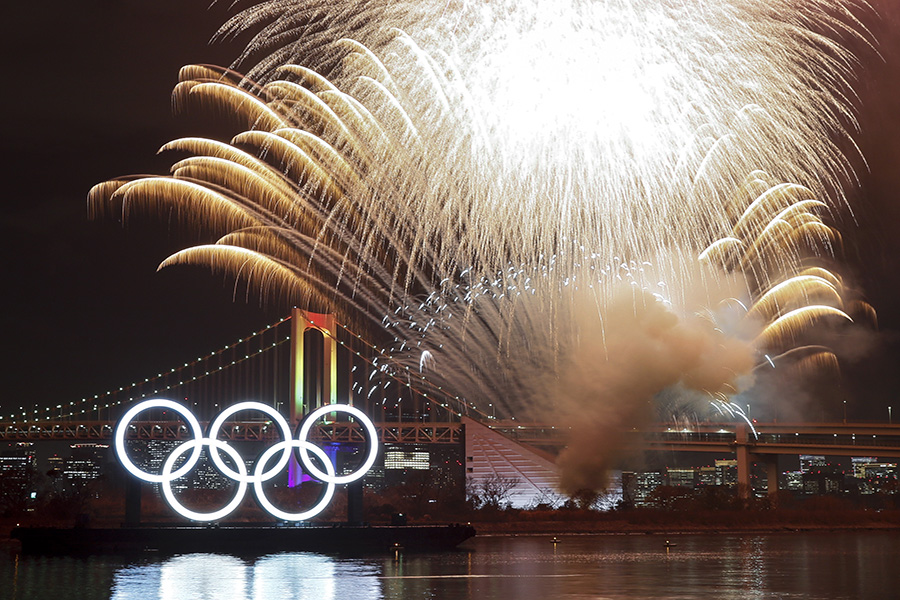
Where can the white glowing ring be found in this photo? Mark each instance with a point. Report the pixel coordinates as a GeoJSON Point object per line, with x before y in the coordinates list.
{"type": "Point", "coordinates": [258, 479]}
{"type": "Point", "coordinates": [168, 477]}
{"type": "Point", "coordinates": [260, 474]}
{"type": "Point", "coordinates": [125, 421]}
{"type": "Point", "coordinates": [360, 416]}
{"type": "Point", "coordinates": [279, 420]}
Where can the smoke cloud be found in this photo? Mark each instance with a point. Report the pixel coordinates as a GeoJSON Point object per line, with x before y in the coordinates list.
{"type": "Point", "coordinates": [614, 366]}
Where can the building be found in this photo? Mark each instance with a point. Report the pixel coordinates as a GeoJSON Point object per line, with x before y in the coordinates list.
{"type": "Point", "coordinates": [875, 477]}
{"type": "Point", "coordinates": [792, 481]}
{"type": "Point", "coordinates": [681, 478]}
{"type": "Point", "coordinates": [822, 482]}
{"type": "Point", "coordinates": [86, 462]}
{"type": "Point", "coordinates": [706, 476]}
{"type": "Point", "coordinates": [726, 472]}
{"type": "Point", "coordinates": [507, 472]}
{"type": "Point", "coordinates": [646, 483]}
{"type": "Point", "coordinates": [813, 464]}
{"type": "Point", "coordinates": [399, 458]}
{"type": "Point", "coordinates": [18, 466]}
{"type": "Point", "coordinates": [859, 465]}
{"type": "Point", "coordinates": [877, 470]}
{"type": "Point", "coordinates": [149, 456]}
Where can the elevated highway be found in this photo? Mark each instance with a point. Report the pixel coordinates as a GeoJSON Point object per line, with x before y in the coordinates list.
{"type": "Point", "coordinates": [842, 439]}
{"type": "Point", "coordinates": [237, 431]}
{"type": "Point", "coordinates": [764, 442]}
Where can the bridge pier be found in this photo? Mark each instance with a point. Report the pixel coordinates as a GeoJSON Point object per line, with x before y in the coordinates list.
{"type": "Point", "coordinates": [132, 501]}
{"type": "Point", "coordinates": [771, 461]}
{"type": "Point", "coordinates": [745, 460]}
{"type": "Point", "coordinates": [742, 452]}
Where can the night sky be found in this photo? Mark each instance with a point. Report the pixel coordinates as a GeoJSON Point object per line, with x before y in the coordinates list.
{"type": "Point", "coordinates": [87, 98]}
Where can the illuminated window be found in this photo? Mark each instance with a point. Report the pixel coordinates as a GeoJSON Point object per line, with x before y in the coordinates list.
{"type": "Point", "coordinates": [399, 459]}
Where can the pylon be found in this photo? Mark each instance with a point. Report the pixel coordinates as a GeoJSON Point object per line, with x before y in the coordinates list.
{"type": "Point", "coordinates": [301, 321]}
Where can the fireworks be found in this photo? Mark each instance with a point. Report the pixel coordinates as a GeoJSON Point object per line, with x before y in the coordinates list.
{"type": "Point", "coordinates": [489, 174]}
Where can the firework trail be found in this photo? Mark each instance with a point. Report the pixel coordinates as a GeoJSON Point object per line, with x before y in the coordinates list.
{"type": "Point", "coordinates": [492, 175]}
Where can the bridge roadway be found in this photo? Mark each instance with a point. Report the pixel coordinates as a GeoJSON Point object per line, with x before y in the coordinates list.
{"type": "Point", "coordinates": [762, 444]}
{"type": "Point", "coordinates": [238, 431]}
{"type": "Point", "coordinates": [836, 439]}
{"type": "Point", "coordinates": [841, 439]}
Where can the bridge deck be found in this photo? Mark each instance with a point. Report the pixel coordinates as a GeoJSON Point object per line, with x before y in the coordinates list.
{"type": "Point", "coordinates": [845, 439]}
{"type": "Point", "coordinates": [244, 431]}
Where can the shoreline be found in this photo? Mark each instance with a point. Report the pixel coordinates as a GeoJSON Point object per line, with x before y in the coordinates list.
{"type": "Point", "coordinates": [548, 529]}
{"type": "Point", "coordinates": [669, 522]}
{"type": "Point", "coordinates": [578, 529]}
{"type": "Point", "coordinates": [579, 522]}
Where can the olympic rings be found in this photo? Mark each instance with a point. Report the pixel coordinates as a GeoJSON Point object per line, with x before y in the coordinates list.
{"type": "Point", "coordinates": [167, 480]}
{"type": "Point", "coordinates": [261, 494]}
{"type": "Point", "coordinates": [274, 414]}
{"type": "Point", "coordinates": [241, 475]}
{"type": "Point", "coordinates": [357, 414]}
{"type": "Point", "coordinates": [126, 419]}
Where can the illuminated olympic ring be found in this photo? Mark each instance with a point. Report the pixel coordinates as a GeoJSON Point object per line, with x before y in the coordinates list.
{"type": "Point", "coordinates": [241, 476]}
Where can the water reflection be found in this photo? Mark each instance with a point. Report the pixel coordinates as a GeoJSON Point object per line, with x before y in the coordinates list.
{"type": "Point", "coordinates": [294, 576]}
{"type": "Point", "coordinates": [305, 575]}
{"type": "Point", "coordinates": [201, 577]}
{"type": "Point", "coordinates": [837, 565]}
{"type": "Point", "coordinates": [55, 577]}
{"type": "Point", "coordinates": [289, 576]}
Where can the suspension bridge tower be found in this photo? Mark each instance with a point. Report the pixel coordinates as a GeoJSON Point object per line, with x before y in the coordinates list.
{"type": "Point", "coordinates": [310, 392]}
{"type": "Point", "coordinates": [313, 369]}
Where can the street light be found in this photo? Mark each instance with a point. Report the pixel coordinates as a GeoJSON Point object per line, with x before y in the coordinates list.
{"type": "Point", "coordinates": [845, 411]}
{"type": "Point", "coordinates": [890, 421]}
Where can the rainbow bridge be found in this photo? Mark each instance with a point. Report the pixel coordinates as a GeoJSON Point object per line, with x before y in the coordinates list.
{"type": "Point", "coordinates": [274, 363]}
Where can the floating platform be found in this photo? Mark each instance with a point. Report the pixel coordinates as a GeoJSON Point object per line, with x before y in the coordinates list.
{"type": "Point", "coordinates": [241, 539]}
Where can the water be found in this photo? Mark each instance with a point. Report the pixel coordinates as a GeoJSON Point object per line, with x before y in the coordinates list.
{"type": "Point", "coordinates": [788, 565]}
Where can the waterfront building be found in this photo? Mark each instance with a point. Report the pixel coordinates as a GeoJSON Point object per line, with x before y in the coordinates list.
{"type": "Point", "coordinates": [792, 481]}
{"type": "Point", "coordinates": [681, 478]}
{"type": "Point", "coordinates": [706, 476]}
{"type": "Point", "coordinates": [399, 459]}
{"type": "Point", "coordinates": [875, 477]}
{"type": "Point", "coordinates": [206, 476]}
{"type": "Point", "coordinates": [821, 482]}
{"type": "Point", "coordinates": [440, 466]}
{"type": "Point", "coordinates": [18, 465]}
{"type": "Point", "coordinates": [646, 483]}
{"type": "Point", "coordinates": [85, 463]}
{"type": "Point", "coordinates": [726, 472]}
{"type": "Point", "coordinates": [813, 464]}
{"type": "Point", "coordinates": [150, 455]}
{"type": "Point", "coordinates": [859, 465]}
{"type": "Point", "coordinates": [875, 470]}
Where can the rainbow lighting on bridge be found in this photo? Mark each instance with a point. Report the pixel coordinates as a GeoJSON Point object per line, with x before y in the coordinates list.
{"type": "Point", "coordinates": [241, 476]}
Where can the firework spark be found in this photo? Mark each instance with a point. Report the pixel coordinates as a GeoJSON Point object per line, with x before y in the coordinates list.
{"type": "Point", "coordinates": [497, 170]}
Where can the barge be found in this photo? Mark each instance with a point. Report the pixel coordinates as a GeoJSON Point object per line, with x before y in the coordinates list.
{"type": "Point", "coordinates": [241, 539]}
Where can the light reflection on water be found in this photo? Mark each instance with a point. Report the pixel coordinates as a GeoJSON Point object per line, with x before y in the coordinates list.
{"type": "Point", "coordinates": [797, 565]}
{"type": "Point", "coordinates": [285, 576]}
